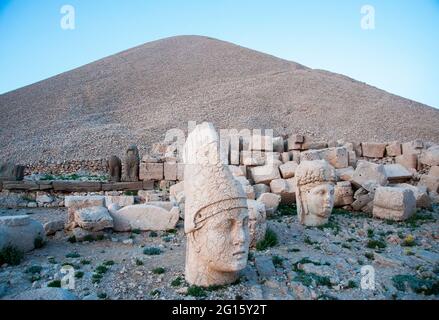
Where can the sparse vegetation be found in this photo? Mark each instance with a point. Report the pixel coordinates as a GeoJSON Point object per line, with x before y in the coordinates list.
{"type": "Point", "coordinates": [101, 269]}
{"type": "Point", "coordinates": [153, 234]}
{"type": "Point", "coordinates": [369, 255]}
{"type": "Point", "coordinates": [287, 210]}
{"type": "Point", "coordinates": [196, 291]}
{"type": "Point", "coordinates": [409, 241]}
{"type": "Point", "coordinates": [34, 269]}
{"type": "Point", "coordinates": [418, 285]}
{"type": "Point", "coordinates": [158, 270]}
{"type": "Point", "coordinates": [152, 251]}
{"type": "Point", "coordinates": [73, 255]}
{"type": "Point", "coordinates": [139, 262]}
{"type": "Point", "coordinates": [72, 239]}
{"type": "Point", "coordinates": [84, 261]}
{"type": "Point", "coordinates": [102, 295]}
{"type": "Point", "coordinates": [177, 282]}
{"type": "Point", "coordinates": [278, 262]}
{"type": "Point", "coordinates": [270, 240]}
{"type": "Point", "coordinates": [79, 274]}
{"type": "Point", "coordinates": [11, 256]}
{"type": "Point", "coordinates": [54, 284]}
{"type": "Point", "coordinates": [376, 244]}
{"type": "Point", "coordinates": [108, 263]}
{"type": "Point", "coordinates": [131, 193]}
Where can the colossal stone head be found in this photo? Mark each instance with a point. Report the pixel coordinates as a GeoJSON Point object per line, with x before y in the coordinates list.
{"type": "Point", "coordinates": [314, 192]}
{"type": "Point", "coordinates": [216, 213]}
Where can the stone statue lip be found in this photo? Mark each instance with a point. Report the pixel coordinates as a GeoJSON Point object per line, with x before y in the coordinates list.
{"type": "Point", "coordinates": [239, 253]}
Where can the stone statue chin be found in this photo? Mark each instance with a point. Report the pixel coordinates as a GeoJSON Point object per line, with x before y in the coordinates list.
{"type": "Point", "coordinates": [314, 192]}
{"type": "Point", "coordinates": [216, 213]}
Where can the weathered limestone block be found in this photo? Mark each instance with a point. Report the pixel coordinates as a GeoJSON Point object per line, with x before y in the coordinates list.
{"type": "Point", "coordinates": [345, 174]}
{"type": "Point", "coordinates": [215, 251]}
{"type": "Point", "coordinates": [314, 192]}
{"type": "Point", "coordinates": [412, 147]}
{"type": "Point", "coordinates": [256, 221]}
{"type": "Point", "coordinates": [393, 149]}
{"type": "Point", "coordinates": [434, 171]}
{"type": "Point", "coordinates": [397, 173]}
{"type": "Point", "coordinates": [295, 142]}
{"type": "Point", "coordinates": [144, 217]}
{"type": "Point", "coordinates": [368, 175]}
{"type": "Point", "coordinates": [43, 198]}
{"type": "Point", "coordinates": [20, 232]}
{"type": "Point", "coordinates": [92, 219]}
{"type": "Point", "coordinates": [167, 205]}
{"type": "Point", "coordinates": [122, 186]}
{"type": "Point", "coordinates": [21, 185]}
{"type": "Point", "coordinates": [260, 188]}
{"type": "Point", "coordinates": [175, 190]}
{"type": "Point", "coordinates": [151, 171]}
{"type": "Point", "coordinates": [285, 189]}
{"type": "Point", "coordinates": [287, 169]}
{"type": "Point", "coordinates": [53, 226]}
{"type": "Point", "coordinates": [170, 171]}
{"type": "Point", "coordinates": [271, 202]}
{"type": "Point", "coordinates": [180, 171]}
{"type": "Point", "coordinates": [373, 150]}
{"type": "Point", "coordinates": [79, 202]}
{"type": "Point", "coordinates": [238, 171]}
{"type": "Point", "coordinates": [252, 158]}
{"type": "Point", "coordinates": [121, 201]}
{"type": "Point", "coordinates": [336, 157]}
{"type": "Point", "coordinates": [248, 189]}
{"type": "Point", "coordinates": [264, 174]}
{"type": "Point", "coordinates": [362, 201]}
{"type": "Point", "coordinates": [285, 157]}
{"type": "Point", "coordinates": [344, 195]}
{"type": "Point", "coordinates": [396, 204]}
{"type": "Point", "coordinates": [430, 157]}
{"type": "Point", "coordinates": [115, 168]}
{"type": "Point", "coordinates": [314, 145]}
{"type": "Point", "coordinates": [77, 186]}
{"type": "Point", "coordinates": [420, 193]}
{"type": "Point", "coordinates": [261, 143]}
{"type": "Point", "coordinates": [430, 182]}
{"type": "Point", "coordinates": [11, 172]}
{"type": "Point", "coordinates": [45, 185]}
{"type": "Point", "coordinates": [408, 160]}
{"type": "Point", "coordinates": [352, 159]}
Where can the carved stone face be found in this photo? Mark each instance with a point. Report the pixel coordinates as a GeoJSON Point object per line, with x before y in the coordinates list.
{"type": "Point", "coordinates": [319, 200]}
{"type": "Point", "coordinates": [223, 241]}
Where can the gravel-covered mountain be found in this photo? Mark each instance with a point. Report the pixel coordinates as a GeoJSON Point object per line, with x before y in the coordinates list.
{"type": "Point", "coordinates": [137, 95]}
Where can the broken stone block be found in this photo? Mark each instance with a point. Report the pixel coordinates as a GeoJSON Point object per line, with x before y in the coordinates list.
{"type": "Point", "coordinates": [397, 173]}
{"type": "Point", "coordinates": [362, 201]}
{"type": "Point", "coordinates": [264, 174]}
{"type": "Point", "coordinates": [114, 168]}
{"type": "Point", "coordinates": [170, 171]}
{"type": "Point", "coordinates": [357, 149]}
{"type": "Point", "coordinates": [131, 164]}
{"type": "Point", "coordinates": [256, 221]}
{"type": "Point", "coordinates": [285, 189]}
{"type": "Point", "coordinates": [368, 175]}
{"type": "Point", "coordinates": [434, 171]}
{"type": "Point", "coordinates": [20, 232]}
{"type": "Point", "coordinates": [285, 157]}
{"type": "Point", "coordinates": [79, 202]}
{"type": "Point", "coordinates": [21, 185]}
{"type": "Point", "coordinates": [396, 204]}
{"type": "Point", "coordinates": [352, 159]}
{"type": "Point", "coordinates": [121, 201]}
{"type": "Point", "coordinates": [43, 198]}
{"type": "Point", "coordinates": [343, 194]}
{"type": "Point", "coordinates": [295, 142]}
{"type": "Point", "coordinates": [393, 149]}
{"type": "Point", "coordinates": [337, 157]}
{"type": "Point", "coordinates": [151, 171]}
{"type": "Point", "coordinates": [11, 172]}
{"type": "Point", "coordinates": [123, 186]}
{"type": "Point", "coordinates": [238, 171]}
{"type": "Point", "coordinates": [373, 150]}
{"type": "Point", "coordinates": [145, 217]}
{"type": "Point", "coordinates": [180, 171]}
{"type": "Point", "coordinates": [412, 147]}
{"type": "Point", "coordinates": [53, 226]}
{"type": "Point", "coordinates": [92, 219]}
{"type": "Point", "coordinates": [420, 193]}
{"type": "Point", "coordinates": [344, 174]}
{"type": "Point", "coordinates": [261, 143]}
{"type": "Point", "coordinates": [430, 157]}
{"type": "Point", "coordinates": [86, 235]}
{"type": "Point", "coordinates": [314, 145]}
{"type": "Point", "coordinates": [409, 161]}
{"type": "Point", "coordinates": [252, 158]}
{"type": "Point", "coordinates": [260, 188]}
{"type": "Point", "coordinates": [271, 202]}
{"type": "Point", "coordinates": [430, 182]}
{"type": "Point", "coordinates": [288, 169]}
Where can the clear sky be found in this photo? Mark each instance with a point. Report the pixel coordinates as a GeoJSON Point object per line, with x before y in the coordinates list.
{"type": "Point", "coordinates": [400, 55]}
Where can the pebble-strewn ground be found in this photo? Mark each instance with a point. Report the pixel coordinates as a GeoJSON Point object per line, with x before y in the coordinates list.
{"type": "Point", "coordinates": [307, 263]}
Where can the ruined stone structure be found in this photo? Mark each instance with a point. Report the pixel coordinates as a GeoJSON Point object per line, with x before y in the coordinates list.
{"type": "Point", "coordinates": [115, 169]}
{"type": "Point", "coordinates": [131, 164]}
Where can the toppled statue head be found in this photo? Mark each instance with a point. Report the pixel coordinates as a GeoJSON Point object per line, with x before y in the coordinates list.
{"type": "Point", "coordinates": [216, 213]}
{"type": "Point", "coordinates": [314, 192]}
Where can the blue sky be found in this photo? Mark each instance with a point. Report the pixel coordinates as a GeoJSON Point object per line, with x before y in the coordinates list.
{"type": "Point", "coordinates": [400, 55]}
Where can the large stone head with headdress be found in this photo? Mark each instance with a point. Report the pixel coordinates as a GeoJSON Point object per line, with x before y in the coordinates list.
{"type": "Point", "coordinates": [314, 192]}
{"type": "Point", "coordinates": [216, 213]}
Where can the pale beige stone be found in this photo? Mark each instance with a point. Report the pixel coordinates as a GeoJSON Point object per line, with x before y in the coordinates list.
{"type": "Point", "coordinates": [264, 174]}
{"type": "Point", "coordinates": [345, 174]}
{"type": "Point", "coordinates": [434, 171]}
{"type": "Point", "coordinates": [256, 221]}
{"type": "Point", "coordinates": [53, 226]}
{"type": "Point", "coordinates": [368, 175]}
{"type": "Point", "coordinates": [145, 217]}
{"type": "Point", "coordinates": [78, 202]}
{"type": "Point", "coordinates": [430, 182]}
{"type": "Point", "coordinates": [170, 171]}
{"type": "Point", "coordinates": [314, 145]}
{"type": "Point", "coordinates": [261, 143]}
{"type": "Point", "coordinates": [122, 201]}
{"type": "Point", "coordinates": [314, 192]}
{"type": "Point", "coordinates": [392, 203]}
{"type": "Point", "coordinates": [180, 171]}
{"type": "Point", "coordinates": [408, 160]}
{"type": "Point", "coordinates": [430, 157]}
{"type": "Point", "coordinates": [92, 219]}
{"type": "Point", "coordinates": [343, 195]}
{"type": "Point", "coordinates": [285, 157]}
{"type": "Point", "coordinates": [216, 251]}
{"type": "Point", "coordinates": [238, 171]}
{"type": "Point", "coordinates": [393, 149]}
{"type": "Point", "coordinates": [250, 158]}
{"type": "Point", "coordinates": [420, 193]}
{"type": "Point", "coordinates": [260, 188]}
{"type": "Point", "coordinates": [151, 171]}
{"type": "Point", "coordinates": [352, 159]}
{"type": "Point", "coordinates": [271, 202]}
{"type": "Point", "coordinates": [397, 173]}
{"type": "Point", "coordinates": [20, 232]}
{"type": "Point", "coordinates": [336, 157]}
{"type": "Point", "coordinates": [287, 169]}
{"type": "Point", "coordinates": [373, 149]}
{"type": "Point", "coordinates": [285, 189]}
{"type": "Point", "coordinates": [412, 147]}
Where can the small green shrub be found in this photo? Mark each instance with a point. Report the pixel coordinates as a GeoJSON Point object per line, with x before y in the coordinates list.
{"type": "Point", "coordinates": [54, 284]}
{"type": "Point", "coordinates": [34, 269]}
{"type": "Point", "coordinates": [418, 285]}
{"type": "Point", "coordinates": [270, 240]}
{"type": "Point", "coordinates": [102, 295]}
{"type": "Point", "coordinates": [139, 262]}
{"type": "Point", "coordinates": [196, 291]}
{"type": "Point", "coordinates": [136, 231]}
{"type": "Point", "coordinates": [287, 210]}
{"type": "Point", "coordinates": [159, 270]}
{"type": "Point", "coordinates": [155, 293]}
{"type": "Point", "coordinates": [84, 261]}
{"type": "Point", "coordinates": [108, 263]}
{"type": "Point", "coordinates": [376, 244]}
{"type": "Point", "coordinates": [278, 262]}
{"type": "Point", "coordinates": [72, 239]}
{"type": "Point", "coordinates": [152, 251]}
{"type": "Point", "coordinates": [39, 242]}
{"type": "Point", "coordinates": [177, 282]}
{"type": "Point", "coordinates": [73, 255]}
{"type": "Point", "coordinates": [409, 241]}
{"type": "Point", "coordinates": [153, 234]}
{"type": "Point", "coordinates": [11, 256]}
{"type": "Point", "coordinates": [101, 269]}
{"type": "Point", "coordinates": [79, 274]}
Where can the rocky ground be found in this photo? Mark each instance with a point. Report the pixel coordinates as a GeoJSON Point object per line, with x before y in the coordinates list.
{"type": "Point", "coordinates": [294, 262]}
